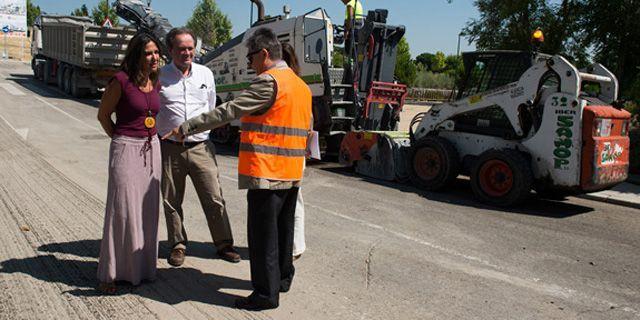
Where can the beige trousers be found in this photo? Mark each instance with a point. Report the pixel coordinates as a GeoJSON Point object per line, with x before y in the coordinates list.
{"type": "Point", "coordinates": [199, 163]}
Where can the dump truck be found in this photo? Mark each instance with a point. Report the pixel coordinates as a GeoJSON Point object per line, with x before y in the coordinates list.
{"type": "Point", "coordinates": [75, 54]}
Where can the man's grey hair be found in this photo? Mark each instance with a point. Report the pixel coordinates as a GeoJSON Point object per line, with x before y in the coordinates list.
{"type": "Point", "coordinates": [264, 38]}
{"type": "Point", "coordinates": [178, 31]}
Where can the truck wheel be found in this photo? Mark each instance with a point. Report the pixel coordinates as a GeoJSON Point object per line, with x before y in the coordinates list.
{"type": "Point", "coordinates": [502, 177]}
{"type": "Point", "coordinates": [60, 76]}
{"type": "Point", "coordinates": [46, 73]}
{"type": "Point", "coordinates": [74, 89]}
{"type": "Point", "coordinates": [433, 163]}
{"type": "Point", "coordinates": [67, 81]}
{"type": "Point", "coordinates": [39, 70]}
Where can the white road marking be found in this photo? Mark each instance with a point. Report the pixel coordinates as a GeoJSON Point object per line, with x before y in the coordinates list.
{"type": "Point", "coordinates": [20, 132]}
{"type": "Point", "coordinates": [11, 89]}
{"type": "Point", "coordinates": [23, 132]}
{"type": "Point", "coordinates": [491, 272]}
{"type": "Point", "coordinates": [84, 123]}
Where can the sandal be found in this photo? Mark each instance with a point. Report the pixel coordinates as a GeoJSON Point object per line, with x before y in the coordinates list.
{"type": "Point", "coordinates": [107, 287]}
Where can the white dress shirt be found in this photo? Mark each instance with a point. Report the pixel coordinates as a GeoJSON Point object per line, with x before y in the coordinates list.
{"type": "Point", "coordinates": [184, 97]}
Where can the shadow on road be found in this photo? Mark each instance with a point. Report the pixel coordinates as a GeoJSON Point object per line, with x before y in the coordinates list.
{"type": "Point", "coordinates": [172, 285]}
{"type": "Point", "coordinates": [91, 248]}
{"type": "Point", "coordinates": [49, 91]}
{"type": "Point", "coordinates": [461, 194]}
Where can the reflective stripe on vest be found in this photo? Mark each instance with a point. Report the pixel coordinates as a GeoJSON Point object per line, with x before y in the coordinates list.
{"type": "Point", "coordinates": [273, 145]}
{"type": "Point", "coordinates": [357, 9]}
{"type": "Point", "coordinates": [258, 127]}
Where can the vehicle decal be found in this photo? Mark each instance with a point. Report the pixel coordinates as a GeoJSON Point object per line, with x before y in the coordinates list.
{"type": "Point", "coordinates": [563, 141]}
{"type": "Point", "coordinates": [609, 155]}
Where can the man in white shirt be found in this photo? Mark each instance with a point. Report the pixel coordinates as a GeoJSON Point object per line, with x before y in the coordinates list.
{"type": "Point", "coordinates": [188, 90]}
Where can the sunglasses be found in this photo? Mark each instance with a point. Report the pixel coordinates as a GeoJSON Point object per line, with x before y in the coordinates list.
{"type": "Point", "coordinates": [251, 54]}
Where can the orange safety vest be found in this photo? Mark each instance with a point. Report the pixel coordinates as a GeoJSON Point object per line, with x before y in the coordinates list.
{"type": "Point", "coordinates": [273, 145]}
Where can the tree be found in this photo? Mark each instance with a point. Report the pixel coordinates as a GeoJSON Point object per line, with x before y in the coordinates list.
{"type": "Point", "coordinates": [102, 11]}
{"type": "Point", "coordinates": [405, 70]}
{"type": "Point", "coordinates": [32, 12]}
{"type": "Point", "coordinates": [507, 25]}
{"type": "Point", "coordinates": [210, 24]}
{"type": "Point", "coordinates": [439, 63]}
{"type": "Point", "coordinates": [337, 58]}
{"type": "Point", "coordinates": [455, 68]}
{"type": "Point", "coordinates": [612, 29]}
{"type": "Point", "coordinates": [426, 60]}
{"type": "Point", "coordinates": [83, 11]}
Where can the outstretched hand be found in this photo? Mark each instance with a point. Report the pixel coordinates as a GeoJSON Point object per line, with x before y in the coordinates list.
{"type": "Point", "coordinates": [176, 132]}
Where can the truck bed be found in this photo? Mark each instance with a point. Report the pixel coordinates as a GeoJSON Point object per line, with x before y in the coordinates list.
{"type": "Point", "coordinates": [79, 43]}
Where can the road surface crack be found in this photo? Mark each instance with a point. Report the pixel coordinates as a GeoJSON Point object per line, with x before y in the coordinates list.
{"type": "Point", "coordinates": [367, 264]}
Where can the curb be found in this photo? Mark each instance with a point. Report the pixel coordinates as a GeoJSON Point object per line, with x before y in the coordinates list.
{"type": "Point", "coordinates": [610, 200]}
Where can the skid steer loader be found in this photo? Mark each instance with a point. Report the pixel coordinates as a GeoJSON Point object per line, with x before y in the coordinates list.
{"type": "Point", "coordinates": [524, 121]}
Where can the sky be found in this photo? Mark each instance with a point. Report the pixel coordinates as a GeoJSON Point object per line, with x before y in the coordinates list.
{"type": "Point", "coordinates": [432, 25]}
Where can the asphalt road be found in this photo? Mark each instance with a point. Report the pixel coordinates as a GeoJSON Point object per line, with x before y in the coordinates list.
{"type": "Point", "coordinates": [376, 250]}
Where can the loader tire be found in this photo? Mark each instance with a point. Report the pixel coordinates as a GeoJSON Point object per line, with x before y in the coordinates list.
{"type": "Point", "coordinates": [433, 163]}
{"type": "Point", "coordinates": [502, 178]}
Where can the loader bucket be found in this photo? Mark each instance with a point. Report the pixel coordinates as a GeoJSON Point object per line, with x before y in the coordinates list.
{"type": "Point", "coordinates": [377, 154]}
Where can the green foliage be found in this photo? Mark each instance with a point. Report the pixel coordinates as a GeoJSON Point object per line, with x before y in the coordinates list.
{"type": "Point", "coordinates": [32, 12]}
{"type": "Point", "coordinates": [83, 11]}
{"type": "Point", "coordinates": [103, 10]}
{"type": "Point", "coordinates": [210, 24]}
{"type": "Point", "coordinates": [439, 62]}
{"type": "Point", "coordinates": [437, 71]}
{"type": "Point", "coordinates": [508, 25]}
{"type": "Point", "coordinates": [337, 58]}
{"type": "Point", "coordinates": [633, 92]}
{"type": "Point", "coordinates": [405, 70]}
{"type": "Point", "coordinates": [431, 80]}
{"type": "Point", "coordinates": [612, 30]}
{"type": "Point", "coordinates": [425, 60]}
{"type": "Point", "coordinates": [605, 30]}
{"type": "Point", "coordinates": [455, 69]}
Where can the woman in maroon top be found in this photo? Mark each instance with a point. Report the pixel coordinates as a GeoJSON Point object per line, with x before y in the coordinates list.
{"type": "Point", "coordinates": [129, 247]}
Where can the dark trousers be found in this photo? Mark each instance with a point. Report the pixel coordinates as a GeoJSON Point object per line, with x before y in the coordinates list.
{"type": "Point", "coordinates": [270, 233]}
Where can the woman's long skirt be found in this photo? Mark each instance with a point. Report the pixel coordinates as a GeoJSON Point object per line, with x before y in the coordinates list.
{"type": "Point", "coordinates": [129, 247]}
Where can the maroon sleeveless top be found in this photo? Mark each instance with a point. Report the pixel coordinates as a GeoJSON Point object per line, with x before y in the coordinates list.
{"type": "Point", "coordinates": [133, 108]}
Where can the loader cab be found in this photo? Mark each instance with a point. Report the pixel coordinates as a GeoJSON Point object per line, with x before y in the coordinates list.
{"type": "Point", "coordinates": [487, 70]}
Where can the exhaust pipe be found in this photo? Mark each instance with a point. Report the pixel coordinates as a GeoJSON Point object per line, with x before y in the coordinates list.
{"type": "Point", "coordinates": [260, 9]}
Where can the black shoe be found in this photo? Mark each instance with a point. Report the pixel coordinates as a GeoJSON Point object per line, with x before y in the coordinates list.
{"type": "Point", "coordinates": [176, 258]}
{"type": "Point", "coordinates": [254, 304]}
{"type": "Point", "coordinates": [285, 285]}
{"type": "Point", "coordinates": [230, 254]}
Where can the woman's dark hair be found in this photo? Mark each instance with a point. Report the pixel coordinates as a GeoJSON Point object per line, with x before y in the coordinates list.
{"type": "Point", "coordinates": [289, 56]}
{"type": "Point", "coordinates": [134, 64]}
